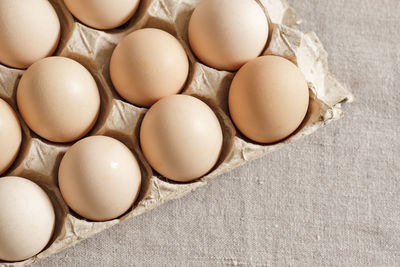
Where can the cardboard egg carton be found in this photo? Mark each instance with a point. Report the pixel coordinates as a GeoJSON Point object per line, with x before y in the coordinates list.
{"type": "Point", "coordinates": [39, 159]}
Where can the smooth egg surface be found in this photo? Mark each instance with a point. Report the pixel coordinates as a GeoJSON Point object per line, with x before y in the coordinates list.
{"type": "Point", "coordinates": [29, 31]}
{"type": "Point", "coordinates": [268, 99]}
{"type": "Point", "coordinates": [58, 98]}
{"type": "Point", "coordinates": [181, 138]}
{"type": "Point", "coordinates": [27, 219]}
{"type": "Point", "coordinates": [147, 65]}
{"type": "Point", "coordinates": [226, 34]}
{"type": "Point", "coordinates": [99, 178]}
{"type": "Point", "coordinates": [10, 136]}
{"type": "Point", "coordinates": [103, 14]}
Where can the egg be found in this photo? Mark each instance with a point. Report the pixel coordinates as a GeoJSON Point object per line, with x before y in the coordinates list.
{"type": "Point", "coordinates": [147, 65]}
{"type": "Point", "coordinates": [225, 34]}
{"type": "Point", "coordinates": [181, 138]}
{"type": "Point", "coordinates": [268, 99]}
{"type": "Point", "coordinates": [99, 178]}
{"type": "Point", "coordinates": [58, 99]}
{"type": "Point", "coordinates": [10, 136]}
{"type": "Point", "coordinates": [27, 219]}
{"type": "Point", "coordinates": [103, 14]}
{"type": "Point", "coordinates": [30, 30]}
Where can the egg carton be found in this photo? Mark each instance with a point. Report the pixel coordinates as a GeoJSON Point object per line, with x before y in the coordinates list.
{"type": "Point", "coordinates": [39, 159]}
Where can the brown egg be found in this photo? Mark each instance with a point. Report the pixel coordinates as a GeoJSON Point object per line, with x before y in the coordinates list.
{"type": "Point", "coordinates": [268, 99]}
{"type": "Point", "coordinates": [99, 178]}
{"type": "Point", "coordinates": [147, 65]}
{"type": "Point", "coordinates": [30, 30]}
{"type": "Point", "coordinates": [27, 219]}
{"type": "Point", "coordinates": [58, 98]}
{"type": "Point", "coordinates": [10, 136]}
{"type": "Point", "coordinates": [103, 14]}
{"type": "Point", "coordinates": [181, 138]}
{"type": "Point", "coordinates": [225, 34]}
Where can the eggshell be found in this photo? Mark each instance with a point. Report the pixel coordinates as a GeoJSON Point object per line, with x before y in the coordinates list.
{"type": "Point", "coordinates": [268, 99]}
{"type": "Point", "coordinates": [225, 34]}
{"type": "Point", "coordinates": [58, 98]}
{"type": "Point", "coordinates": [30, 30]}
{"type": "Point", "coordinates": [147, 65]}
{"type": "Point", "coordinates": [99, 178]}
{"type": "Point", "coordinates": [103, 14]}
{"type": "Point", "coordinates": [10, 136]}
{"type": "Point", "coordinates": [27, 219]}
{"type": "Point", "coordinates": [181, 138]}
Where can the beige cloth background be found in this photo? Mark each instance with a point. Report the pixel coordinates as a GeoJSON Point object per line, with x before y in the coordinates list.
{"type": "Point", "coordinates": [332, 199]}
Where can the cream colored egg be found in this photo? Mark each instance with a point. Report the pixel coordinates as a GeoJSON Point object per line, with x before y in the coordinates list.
{"type": "Point", "coordinates": [10, 136]}
{"type": "Point", "coordinates": [147, 65]}
{"type": "Point", "coordinates": [268, 99]}
{"type": "Point", "coordinates": [99, 178]}
{"type": "Point", "coordinates": [29, 31]}
{"type": "Point", "coordinates": [181, 138]}
{"type": "Point", "coordinates": [103, 14]}
{"type": "Point", "coordinates": [225, 34]}
{"type": "Point", "coordinates": [58, 98]}
{"type": "Point", "coordinates": [27, 219]}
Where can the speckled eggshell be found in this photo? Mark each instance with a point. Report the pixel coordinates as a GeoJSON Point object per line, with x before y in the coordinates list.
{"type": "Point", "coordinates": [225, 34]}
{"type": "Point", "coordinates": [10, 136]}
{"type": "Point", "coordinates": [181, 138]}
{"type": "Point", "coordinates": [268, 99]}
{"type": "Point", "coordinates": [147, 65]}
{"type": "Point", "coordinates": [58, 99]}
{"type": "Point", "coordinates": [29, 31]}
{"type": "Point", "coordinates": [103, 14]}
{"type": "Point", "coordinates": [99, 178]}
{"type": "Point", "coordinates": [27, 219]}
